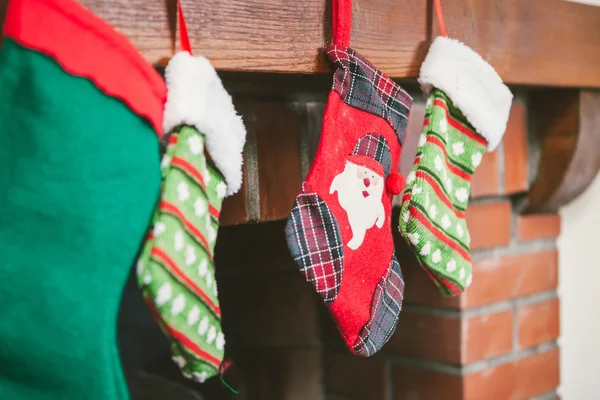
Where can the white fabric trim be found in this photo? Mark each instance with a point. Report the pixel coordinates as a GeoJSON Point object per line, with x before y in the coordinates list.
{"type": "Point", "coordinates": [472, 84]}
{"type": "Point", "coordinates": [196, 97]}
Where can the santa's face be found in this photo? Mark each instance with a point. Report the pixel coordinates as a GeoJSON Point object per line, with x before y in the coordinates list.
{"type": "Point", "coordinates": [360, 191]}
{"type": "Point", "coordinates": [371, 182]}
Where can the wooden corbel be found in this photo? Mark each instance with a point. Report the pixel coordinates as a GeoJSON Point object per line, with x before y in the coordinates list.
{"type": "Point", "coordinates": [568, 125]}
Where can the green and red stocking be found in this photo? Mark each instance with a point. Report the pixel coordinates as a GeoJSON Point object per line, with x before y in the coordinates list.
{"type": "Point", "coordinates": [176, 269]}
{"type": "Point", "coordinates": [80, 119]}
{"type": "Point", "coordinates": [465, 116]}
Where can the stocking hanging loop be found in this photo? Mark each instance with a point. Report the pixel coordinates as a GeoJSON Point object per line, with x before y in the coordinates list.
{"type": "Point", "coordinates": [440, 17]}
{"type": "Point", "coordinates": [341, 21]}
{"type": "Point", "coordinates": [184, 39]}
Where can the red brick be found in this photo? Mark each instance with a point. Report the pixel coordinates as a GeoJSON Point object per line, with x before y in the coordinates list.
{"type": "Point", "coordinates": [426, 336]}
{"type": "Point", "coordinates": [421, 384]}
{"type": "Point", "coordinates": [521, 379]}
{"type": "Point", "coordinates": [485, 180]}
{"type": "Point", "coordinates": [515, 151]}
{"type": "Point", "coordinates": [539, 323]}
{"type": "Point", "coordinates": [489, 224]}
{"type": "Point", "coordinates": [497, 279]}
{"type": "Point", "coordinates": [356, 377]}
{"type": "Point", "coordinates": [487, 336]}
{"type": "Point", "coordinates": [543, 226]}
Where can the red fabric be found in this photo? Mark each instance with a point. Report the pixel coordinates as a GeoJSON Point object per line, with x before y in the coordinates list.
{"type": "Point", "coordinates": [184, 38]}
{"type": "Point", "coordinates": [367, 162]}
{"type": "Point", "coordinates": [85, 45]}
{"type": "Point", "coordinates": [395, 183]}
{"type": "Point", "coordinates": [341, 21]}
{"type": "Point", "coordinates": [364, 267]}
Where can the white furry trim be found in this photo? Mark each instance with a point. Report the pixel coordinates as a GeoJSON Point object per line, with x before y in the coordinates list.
{"type": "Point", "coordinates": [197, 97]}
{"type": "Point", "coordinates": [472, 84]}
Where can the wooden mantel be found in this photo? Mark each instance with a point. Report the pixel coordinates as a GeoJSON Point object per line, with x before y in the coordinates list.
{"type": "Point", "coordinates": [529, 42]}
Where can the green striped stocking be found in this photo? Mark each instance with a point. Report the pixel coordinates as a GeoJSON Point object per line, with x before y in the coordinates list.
{"type": "Point", "coordinates": [465, 116]}
{"type": "Point", "coordinates": [176, 270]}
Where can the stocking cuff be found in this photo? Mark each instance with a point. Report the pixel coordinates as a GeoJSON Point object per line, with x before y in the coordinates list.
{"type": "Point", "coordinates": [196, 97]}
{"type": "Point", "coordinates": [471, 83]}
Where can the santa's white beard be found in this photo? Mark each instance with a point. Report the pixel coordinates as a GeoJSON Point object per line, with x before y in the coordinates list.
{"type": "Point", "coordinates": [363, 212]}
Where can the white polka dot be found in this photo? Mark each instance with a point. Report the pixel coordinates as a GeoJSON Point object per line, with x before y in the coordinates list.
{"type": "Point", "coordinates": [451, 266]}
{"type": "Point", "coordinates": [164, 294]}
{"type": "Point", "coordinates": [443, 125]}
{"type": "Point", "coordinates": [220, 342]}
{"type": "Point", "coordinates": [190, 255]}
{"type": "Point", "coordinates": [195, 145]}
{"type": "Point", "coordinates": [203, 326]}
{"type": "Point", "coordinates": [178, 241]}
{"type": "Point", "coordinates": [202, 267]}
{"type": "Point", "coordinates": [193, 315]}
{"type": "Point", "coordinates": [183, 191]}
{"type": "Point", "coordinates": [426, 249]}
{"type": "Point", "coordinates": [437, 256]}
{"type": "Point", "coordinates": [178, 305]}
{"type": "Point", "coordinates": [212, 335]}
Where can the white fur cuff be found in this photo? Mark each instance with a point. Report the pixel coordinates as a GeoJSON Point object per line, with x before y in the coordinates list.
{"type": "Point", "coordinates": [196, 97]}
{"type": "Point", "coordinates": [472, 84]}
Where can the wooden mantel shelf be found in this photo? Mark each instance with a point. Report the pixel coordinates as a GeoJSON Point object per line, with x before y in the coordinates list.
{"type": "Point", "coordinates": [530, 42]}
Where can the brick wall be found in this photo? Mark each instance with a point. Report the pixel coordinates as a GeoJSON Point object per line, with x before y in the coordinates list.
{"type": "Point", "coordinates": [497, 341]}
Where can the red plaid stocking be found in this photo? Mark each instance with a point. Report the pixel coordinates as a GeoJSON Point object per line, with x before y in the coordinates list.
{"type": "Point", "coordinates": [339, 230]}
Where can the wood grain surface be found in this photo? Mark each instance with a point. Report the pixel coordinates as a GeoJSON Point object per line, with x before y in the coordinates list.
{"type": "Point", "coordinates": [537, 42]}
{"type": "Point", "coordinates": [568, 124]}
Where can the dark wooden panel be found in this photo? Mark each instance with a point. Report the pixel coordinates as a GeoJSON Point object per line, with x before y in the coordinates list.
{"type": "Point", "coordinates": [235, 208]}
{"type": "Point", "coordinates": [526, 41]}
{"type": "Point", "coordinates": [277, 127]}
{"type": "Point", "coordinates": [568, 124]}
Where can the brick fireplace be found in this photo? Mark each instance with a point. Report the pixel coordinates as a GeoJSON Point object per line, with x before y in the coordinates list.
{"type": "Point", "coordinates": [497, 341]}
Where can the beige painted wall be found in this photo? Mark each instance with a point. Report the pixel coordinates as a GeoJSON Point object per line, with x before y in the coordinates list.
{"type": "Point", "coordinates": [579, 290]}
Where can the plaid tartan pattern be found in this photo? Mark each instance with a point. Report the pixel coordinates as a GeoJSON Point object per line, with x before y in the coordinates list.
{"type": "Point", "coordinates": [375, 146]}
{"type": "Point", "coordinates": [316, 244]}
{"type": "Point", "coordinates": [361, 85]}
{"type": "Point", "coordinates": [385, 310]}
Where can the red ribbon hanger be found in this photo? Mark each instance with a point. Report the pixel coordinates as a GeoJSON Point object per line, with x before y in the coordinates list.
{"type": "Point", "coordinates": [184, 39]}
{"type": "Point", "coordinates": [440, 17]}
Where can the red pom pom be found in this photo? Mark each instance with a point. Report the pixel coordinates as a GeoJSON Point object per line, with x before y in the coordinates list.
{"type": "Point", "coordinates": [395, 183]}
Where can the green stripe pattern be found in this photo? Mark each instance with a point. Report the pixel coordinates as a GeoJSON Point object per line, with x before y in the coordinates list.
{"type": "Point", "coordinates": [437, 193]}
{"type": "Point", "coordinates": [176, 270]}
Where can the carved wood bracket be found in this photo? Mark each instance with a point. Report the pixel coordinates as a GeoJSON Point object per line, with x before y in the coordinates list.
{"type": "Point", "coordinates": [568, 125]}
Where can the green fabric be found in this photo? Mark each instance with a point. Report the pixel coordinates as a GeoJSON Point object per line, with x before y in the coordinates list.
{"type": "Point", "coordinates": [434, 247]}
{"type": "Point", "coordinates": [79, 174]}
{"type": "Point", "coordinates": [185, 230]}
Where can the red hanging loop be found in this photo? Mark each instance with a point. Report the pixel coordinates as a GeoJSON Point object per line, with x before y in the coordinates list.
{"type": "Point", "coordinates": [184, 39]}
{"type": "Point", "coordinates": [440, 17]}
{"type": "Point", "coordinates": [341, 21]}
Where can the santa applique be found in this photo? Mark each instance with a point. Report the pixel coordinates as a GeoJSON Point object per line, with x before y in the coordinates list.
{"type": "Point", "coordinates": [361, 184]}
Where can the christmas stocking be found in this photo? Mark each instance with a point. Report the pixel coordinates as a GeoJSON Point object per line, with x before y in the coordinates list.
{"type": "Point", "coordinates": [80, 117]}
{"type": "Point", "coordinates": [339, 229]}
{"type": "Point", "coordinates": [176, 268]}
{"type": "Point", "coordinates": [465, 116]}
